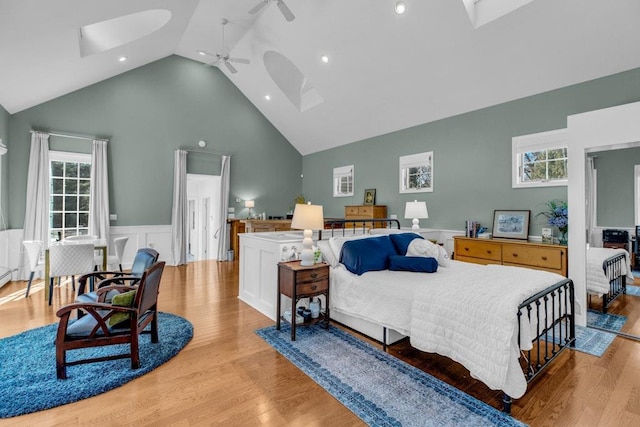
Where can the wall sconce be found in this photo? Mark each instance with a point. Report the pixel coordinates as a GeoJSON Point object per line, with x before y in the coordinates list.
{"type": "Point", "coordinates": [416, 210]}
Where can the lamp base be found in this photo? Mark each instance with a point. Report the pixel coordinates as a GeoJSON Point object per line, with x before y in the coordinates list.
{"type": "Point", "coordinates": [306, 256]}
{"type": "Point", "coordinates": [415, 227]}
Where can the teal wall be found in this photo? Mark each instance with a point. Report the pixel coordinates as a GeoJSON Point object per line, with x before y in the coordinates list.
{"type": "Point", "coordinates": [4, 175]}
{"type": "Point", "coordinates": [147, 113]}
{"type": "Point", "coordinates": [615, 187]}
{"type": "Point", "coordinates": [472, 157]}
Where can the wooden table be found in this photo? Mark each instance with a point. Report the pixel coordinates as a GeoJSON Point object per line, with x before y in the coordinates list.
{"type": "Point", "coordinates": [102, 247]}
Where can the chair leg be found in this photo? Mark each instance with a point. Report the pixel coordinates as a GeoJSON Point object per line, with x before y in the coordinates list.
{"type": "Point", "coordinates": [73, 283]}
{"type": "Point", "coordinates": [29, 284]}
{"type": "Point", "coordinates": [135, 355]}
{"type": "Point", "coordinates": [121, 270]}
{"type": "Point", "coordinates": [61, 363]}
{"type": "Point", "coordinates": [154, 328]}
{"type": "Point", "coordinates": [51, 290]}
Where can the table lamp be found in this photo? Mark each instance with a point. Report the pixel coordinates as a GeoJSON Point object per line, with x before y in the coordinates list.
{"type": "Point", "coordinates": [308, 218]}
{"type": "Point", "coordinates": [416, 210]}
{"type": "Point", "coordinates": [250, 204]}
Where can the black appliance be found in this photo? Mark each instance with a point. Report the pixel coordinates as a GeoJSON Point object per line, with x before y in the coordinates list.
{"type": "Point", "coordinates": [615, 236]}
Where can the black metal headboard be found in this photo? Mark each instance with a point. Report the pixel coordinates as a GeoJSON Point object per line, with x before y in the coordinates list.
{"type": "Point", "coordinates": [351, 226]}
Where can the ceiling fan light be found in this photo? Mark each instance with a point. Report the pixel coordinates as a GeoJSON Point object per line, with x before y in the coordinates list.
{"type": "Point", "coordinates": [325, 59]}
{"type": "Point", "coordinates": [400, 7]}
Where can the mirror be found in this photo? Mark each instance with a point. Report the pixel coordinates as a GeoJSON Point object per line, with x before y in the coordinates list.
{"type": "Point", "coordinates": [612, 175]}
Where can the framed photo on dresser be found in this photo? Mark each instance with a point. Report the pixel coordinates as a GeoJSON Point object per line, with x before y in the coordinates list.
{"type": "Point", "coordinates": [511, 224]}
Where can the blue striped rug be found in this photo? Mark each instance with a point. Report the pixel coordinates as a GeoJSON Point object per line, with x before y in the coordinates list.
{"type": "Point", "coordinates": [633, 290]}
{"type": "Point", "coordinates": [379, 388]}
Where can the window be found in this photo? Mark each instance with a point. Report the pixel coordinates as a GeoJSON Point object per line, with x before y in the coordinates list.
{"type": "Point", "coordinates": [69, 194]}
{"type": "Point", "coordinates": [343, 181]}
{"type": "Point", "coordinates": [416, 173]}
{"type": "Point", "coordinates": [540, 159]}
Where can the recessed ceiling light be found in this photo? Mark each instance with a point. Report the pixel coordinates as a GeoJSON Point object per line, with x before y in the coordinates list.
{"type": "Point", "coordinates": [202, 53]}
{"type": "Point", "coordinates": [401, 7]}
{"type": "Point", "coordinates": [122, 58]}
{"type": "Point", "coordinates": [267, 97]}
{"type": "Point", "coordinates": [324, 58]}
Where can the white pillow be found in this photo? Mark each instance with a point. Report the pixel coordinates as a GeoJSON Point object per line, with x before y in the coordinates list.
{"type": "Point", "coordinates": [425, 248]}
{"type": "Point", "coordinates": [327, 253]}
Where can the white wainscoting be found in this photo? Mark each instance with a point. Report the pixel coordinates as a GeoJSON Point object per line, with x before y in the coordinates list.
{"type": "Point", "coordinates": [157, 237]}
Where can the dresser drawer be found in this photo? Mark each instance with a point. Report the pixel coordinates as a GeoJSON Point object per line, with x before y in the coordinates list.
{"type": "Point", "coordinates": [547, 258]}
{"type": "Point", "coordinates": [478, 248]}
{"type": "Point", "coordinates": [351, 210]}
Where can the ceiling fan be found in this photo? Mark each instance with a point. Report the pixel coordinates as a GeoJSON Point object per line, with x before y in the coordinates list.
{"type": "Point", "coordinates": [286, 12]}
{"type": "Point", "coordinates": [224, 57]}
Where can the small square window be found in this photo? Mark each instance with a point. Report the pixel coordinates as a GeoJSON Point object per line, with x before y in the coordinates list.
{"type": "Point", "coordinates": [343, 181]}
{"type": "Point", "coordinates": [416, 173]}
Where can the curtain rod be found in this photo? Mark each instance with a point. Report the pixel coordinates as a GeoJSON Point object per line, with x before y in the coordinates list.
{"type": "Point", "coordinates": [204, 152]}
{"type": "Point", "coordinates": [66, 135]}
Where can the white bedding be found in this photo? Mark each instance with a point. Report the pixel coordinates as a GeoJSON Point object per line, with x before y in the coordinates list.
{"type": "Point", "coordinates": [457, 312]}
{"type": "Point", "coordinates": [597, 280]}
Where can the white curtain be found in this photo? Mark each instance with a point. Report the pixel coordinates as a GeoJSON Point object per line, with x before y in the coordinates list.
{"type": "Point", "coordinates": [36, 216]}
{"type": "Point", "coordinates": [99, 209]}
{"type": "Point", "coordinates": [591, 200]}
{"type": "Point", "coordinates": [221, 231]}
{"type": "Point", "coordinates": [179, 227]}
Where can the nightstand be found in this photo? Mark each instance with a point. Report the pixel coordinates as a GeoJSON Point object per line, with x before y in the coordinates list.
{"type": "Point", "coordinates": [296, 282]}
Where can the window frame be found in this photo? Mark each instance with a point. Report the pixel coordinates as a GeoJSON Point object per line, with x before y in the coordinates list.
{"type": "Point", "coordinates": [415, 160]}
{"type": "Point", "coordinates": [542, 141]}
{"type": "Point", "coordinates": [66, 157]}
{"type": "Point", "coordinates": [340, 173]}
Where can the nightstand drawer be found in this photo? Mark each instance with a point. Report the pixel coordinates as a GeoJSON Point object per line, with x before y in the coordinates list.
{"type": "Point", "coordinates": [312, 287]}
{"type": "Point", "coordinates": [312, 275]}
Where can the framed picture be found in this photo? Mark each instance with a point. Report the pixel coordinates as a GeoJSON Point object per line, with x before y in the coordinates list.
{"type": "Point", "coordinates": [370, 196]}
{"type": "Point", "coordinates": [511, 224]}
{"type": "Point", "coordinates": [547, 235]}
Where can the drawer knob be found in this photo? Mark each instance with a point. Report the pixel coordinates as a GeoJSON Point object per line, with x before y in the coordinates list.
{"type": "Point", "coordinates": [544, 258]}
{"type": "Point", "coordinates": [314, 287]}
{"type": "Point", "coordinates": [314, 275]}
{"type": "Point", "coordinates": [466, 249]}
{"type": "Point", "coordinates": [489, 252]}
{"type": "Point", "coordinates": [515, 255]}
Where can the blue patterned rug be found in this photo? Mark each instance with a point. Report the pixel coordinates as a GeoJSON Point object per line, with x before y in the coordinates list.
{"type": "Point", "coordinates": [612, 322]}
{"type": "Point", "coordinates": [379, 388]}
{"type": "Point", "coordinates": [633, 290]}
{"type": "Point", "coordinates": [28, 381]}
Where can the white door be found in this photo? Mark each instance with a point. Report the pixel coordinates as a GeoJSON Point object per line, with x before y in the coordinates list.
{"type": "Point", "coordinates": [204, 190]}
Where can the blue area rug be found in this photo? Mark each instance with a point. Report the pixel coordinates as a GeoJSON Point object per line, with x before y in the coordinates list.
{"type": "Point", "coordinates": [379, 388]}
{"type": "Point", "coordinates": [612, 322]}
{"type": "Point", "coordinates": [593, 341]}
{"type": "Point", "coordinates": [28, 381]}
{"type": "Point", "coordinates": [633, 290]}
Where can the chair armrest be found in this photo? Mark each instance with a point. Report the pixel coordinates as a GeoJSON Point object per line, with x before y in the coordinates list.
{"type": "Point", "coordinates": [96, 275]}
{"type": "Point", "coordinates": [118, 280]}
{"type": "Point", "coordinates": [101, 312]}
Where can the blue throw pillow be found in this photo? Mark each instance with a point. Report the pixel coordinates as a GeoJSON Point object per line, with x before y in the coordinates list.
{"type": "Point", "coordinates": [371, 254]}
{"type": "Point", "coordinates": [401, 241]}
{"type": "Point", "coordinates": [413, 263]}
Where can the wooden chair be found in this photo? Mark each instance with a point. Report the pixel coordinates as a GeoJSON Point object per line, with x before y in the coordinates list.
{"type": "Point", "coordinates": [94, 329]}
{"type": "Point", "coordinates": [145, 257]}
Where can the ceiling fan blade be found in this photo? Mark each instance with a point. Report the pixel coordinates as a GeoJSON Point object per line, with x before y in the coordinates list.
{"type": "Point", "coordinates": [230, 67]}
{"type": "Point", "coordinates": [258, 7]}
{"type": "Point", "coordinates": [239, 60]}
{"type": "Point", "coordinates": [288, 15]}
{"type": "Point", "coordinates": [214, 62]}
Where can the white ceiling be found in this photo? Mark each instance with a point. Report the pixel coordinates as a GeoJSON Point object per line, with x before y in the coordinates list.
{"type": "Point", "coordinates": [386, 71]}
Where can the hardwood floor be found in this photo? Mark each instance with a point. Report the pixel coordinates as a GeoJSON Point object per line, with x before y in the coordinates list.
{"type": "Point", "coordinates": [227, 375]}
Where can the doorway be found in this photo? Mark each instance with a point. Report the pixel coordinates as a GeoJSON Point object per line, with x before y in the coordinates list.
{"type": "Point", "coordinates": [203, 198]}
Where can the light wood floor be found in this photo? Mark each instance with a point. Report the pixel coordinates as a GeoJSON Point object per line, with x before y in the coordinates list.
{"type": "Point", "coordinates": [229, 376]}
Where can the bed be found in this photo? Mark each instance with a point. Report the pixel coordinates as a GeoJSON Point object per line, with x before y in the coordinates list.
{"type": "Point", "coordinates": [504, 324]}
{"type": "Point", "coordinates": [608, 271]}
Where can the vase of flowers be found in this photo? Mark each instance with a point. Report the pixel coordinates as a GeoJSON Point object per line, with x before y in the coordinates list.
{"type": "Point", "coordinates": [557, 216]}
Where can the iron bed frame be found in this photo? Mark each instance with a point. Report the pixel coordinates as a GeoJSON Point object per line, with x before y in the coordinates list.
{"type": "Point", "coordinates": [618, 283]}
{"type": "Point", "coordinates": [552, 311]}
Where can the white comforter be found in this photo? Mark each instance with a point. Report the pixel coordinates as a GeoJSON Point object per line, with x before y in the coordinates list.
{"type": "Point", "coordinates": [597, 280]}
{"type": "Point", "coordinates": [473, 320]}
{"type": "Point", "coordinates": [466, 312]}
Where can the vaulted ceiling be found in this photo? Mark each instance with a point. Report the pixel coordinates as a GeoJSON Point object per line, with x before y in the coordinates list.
{"type": "Point", "coordinates": [385, 71]}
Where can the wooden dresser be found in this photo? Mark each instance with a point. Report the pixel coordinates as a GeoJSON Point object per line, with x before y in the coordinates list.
{"type": "Point", "coordinates": [519, 253]}
{"type": "Point", "coordinates": [365, 211]}
{"type": "Point", "coordinates": [239, 226]}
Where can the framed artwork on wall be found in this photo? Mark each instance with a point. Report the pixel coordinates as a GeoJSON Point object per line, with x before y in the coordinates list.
{"type": "Point", "coordinates": [370, 196]}
{"type": "Point", "coordinates": [511, 224]}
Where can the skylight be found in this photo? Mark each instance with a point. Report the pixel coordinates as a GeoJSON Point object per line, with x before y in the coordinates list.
{"type": "Point", "coordinates": [484, 11]}
{"type": "Point", "coordinates": [105, 35]}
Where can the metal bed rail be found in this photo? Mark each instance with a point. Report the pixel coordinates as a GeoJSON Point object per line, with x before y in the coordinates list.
{"type": "Point", "coordinates": [613, 268]}
{"type": "Point", "coordinates": [357, 226]}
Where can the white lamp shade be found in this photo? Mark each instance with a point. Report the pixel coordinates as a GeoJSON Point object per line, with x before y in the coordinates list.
{"type": "Point", "coordinates": [307, 217]}
{"type": "Point", "coordinates": [249, 204]}
{"type": "Point", "coordinates": [416, 209]}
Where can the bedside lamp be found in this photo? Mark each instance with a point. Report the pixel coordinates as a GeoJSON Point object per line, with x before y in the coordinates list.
{"type": "Point", "coordinates": [308, 218]}
{"type": "Point", "coordinates": [250, 204]}
{"type": "Point", "coordinates": [416, 210]}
